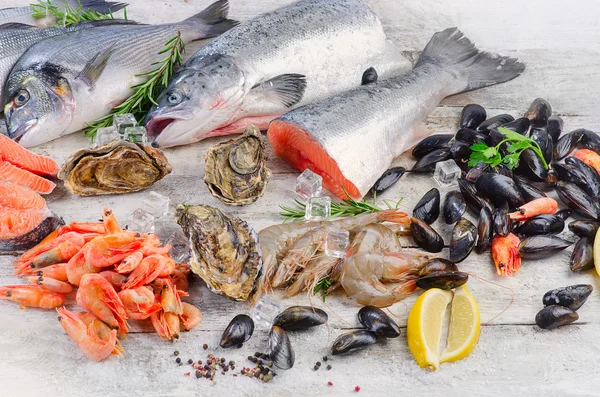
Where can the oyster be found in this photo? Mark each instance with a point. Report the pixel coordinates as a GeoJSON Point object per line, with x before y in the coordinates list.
{"type": "Point", "coordinates": [236, 171]}
{"type": "Point", "coordinates": [225, 251]}
{"type": "Point", "coordinates": [118, 167]}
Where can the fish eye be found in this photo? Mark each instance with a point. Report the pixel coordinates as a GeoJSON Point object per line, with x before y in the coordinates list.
{"type": "Point", "coordinates": [22, 97]}
{"type": "Point", "coordinates": [174, 98]}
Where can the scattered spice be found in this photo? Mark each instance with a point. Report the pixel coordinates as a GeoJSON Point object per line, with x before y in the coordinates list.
{"type": "Point", "coordinates": [316, 367]}
{"type": "Point", "coordinates": [330, 383]}
{"type": "Point", "coordinates": [357, 389]}
{"type": "Point", "coordinates": [328, 367]}
{"type": "Point", "coordinates": [176, 352]}
{"type": "Point", "coordinates": [178, 360]}
{"type": "Point", "coordinates": [205, 346]}
{"type": "Point", "coordinates": [190, 361]}
{"type": "Point", "coordinates": [325, 358]}
{"type": "Point", "coordinates": [186, 374]}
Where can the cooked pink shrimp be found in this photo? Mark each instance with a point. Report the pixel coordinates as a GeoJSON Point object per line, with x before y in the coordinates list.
{"type": "Point", "coordinates": [540, 206]}
{"type": "Point", "coordinates": [110, 249]}
{"type": "Point", "coordinates": [93, 346]}
{"type": "Point", "coordinates": [139, 303]}
{"type": "Point", "coordinates": [101, 329]}
{"type": "Point", "coordinates": [63, 249]}
{"type": "Point", "coordinates": [167, 325]}
{"type": "Point", "coordinates": [130, 263]}
{"type": "Point", "coordinates": [146, 272]}
{"type": "Point", "coordinates": [168, 267]}
{"type": "Point", "coordinates": [170, 300]}
{"type": "Point", "coordinates": [191, 316]}
{"type": "Point", "coordinates": [77, 267]}
{"type": "Point", "coordinates": [180, 279]}
{"type": "Point", "coordinates": [32, 296]}
{"type": "Point", "coordinates": [110, 222]}
{"type": "Point", "coordinates": [51, 284]}
{"type": "Point", "coordinates": [117, 280]}
{"type": "Point", "coordinates": [96, 295]}
{"type": "Point", "coordinates": [57, 272]}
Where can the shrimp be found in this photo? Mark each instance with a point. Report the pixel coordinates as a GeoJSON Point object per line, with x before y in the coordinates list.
{"type": "Point", "coordinates": [85, 228]}
{"type": "Point", "coordinates": [276, 240]}
{"type": "Point", "coordinates": [77, 267]}
{"type": "Point", "coordinates": [146, 272]}
{"type": "Point", "coordinates": [32, 296]}
{"type": "Point", "coordinates": [589, 157]}
{"type": "Point", "coordinates": [375, 238]}
{"type": "Point", "coordinates": [167, 325]}
{"type": "Point", "coordinates": [130, 263]}
{"type": "Point", "coordinates": [59, 250]}
{"type": "Point", "coordinates": [363, 275]}
{"type": "Point", "coordinates": [190, 317]}
{"type": "Point", "coordinates": [139, 303]}
{"type": "Point", "coordinates": [57, 272]}
{"type": "Point", "coordinates": [110, 222]}
{"type": "Point", "coordinates": [51, 284]}
{"type": "Point", "coordinates": [505, 252]}
{"type": "Point", "coordinates": [86, 336]}
{"type": "Point", "coordinates": [110, 249]}
{"type": "Point", "coordinates": [170, 300]}
{"type": "Point", "coordinates": [540, 206]}
{"type": "Point", "coordinates": [117, 280]}
{"type": "Point", "coordinates": [96, 295]}
{"type": "Point", "coordinates": [315, 271]}
{"type": "Point", "coordinates": [101, 329]}
{"type": "Point", "coordinates": [180, 279]}
{"type": "Point", "coordinates": [168, 266]}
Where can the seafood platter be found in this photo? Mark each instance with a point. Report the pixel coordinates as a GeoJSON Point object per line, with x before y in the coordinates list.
{"type": "Point", "coordinates": [238, 197]}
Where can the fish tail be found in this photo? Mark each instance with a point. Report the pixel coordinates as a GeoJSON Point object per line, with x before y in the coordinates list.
{"type": "Point", "coordinates": [451, 50]}
{"type": "Point", "coordinates": [213, 19]}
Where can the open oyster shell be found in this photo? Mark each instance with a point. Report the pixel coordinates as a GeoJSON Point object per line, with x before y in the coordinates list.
{"type": "Point", "coordinates": [236, 171]}
{"type": "Point", "coordinates": [225, 250]}
{"type": "Point", "coordinates": [118, 167]}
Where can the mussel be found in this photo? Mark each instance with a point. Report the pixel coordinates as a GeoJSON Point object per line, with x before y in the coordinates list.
{"type": "Point", "coordinates": [461, 151]}
{"type": "Point", "coordinates": [496, 186]}
{"type": "Point", "coordinates": [475, 172]}
{"type": "Point", "coordinates": [387, 180]}
{"type": "Point", "coordinates": [582, 257]}
{"type": "Point", "coordinates": [542, 246]}
{"type": "Point", "coordinates": [564, 213]}
{"type": "Point", "coordinates": [520, 125]}
{"type": "Point", "coordinates": [428, 208]}
{"type": "Point", "coordinates": [572, 297]}
{"type": "Point", "coordinates": [454, 207]}
{"type": "Point", "coordinates": [427, 162]}
{"type": "Point", "coordinates": [472, 198]}
{"type": "Point", "coordinates": [502, 220]}
{"type": "Point", "coordinates": [375, 320]}
{"type": "Point", "coordinates": [554, 127]}
{"type": "Point", "coordinates": [592, 178]}
{"type": "Point", "coordinates": [280, 348]}
{"type": "Point", "coordinates": [298, 318]}
{"type": "Point", "coordinates": [437, 265]}
{"type": "Point", "coordinates": [495, 122]}
{"type": "Point", "coordinates": [541, 224]}
{"type": "Point", "coordinates": [503, 169]}
{"type": "Point", "coordinates": [463, 240]}
{"type": "Point", "coordinates": [470, 136]}
{"type": "Point", "coordinates": [531, 166]}
{"type": "Point", "coordinates": [472, 116]}
{"type": "Point", "coordinates": [443, 280]}
{"type": "Point", "coordinates": [578, 200]}
{"type": "Point", "coordinates": [430, 144]}
{"type": "Point", "coordinates": [352, 341]}
{"type": "Point", "coordinates": [555, 316]}
{"type": "Point", "coordinates": [567, 143]}
{"type": "Point", "coordinates": [591, 140]}
{"type": "Point", "coordinates": [544, 141]}
{"type": "Point", "coordinates": [539, 112]}
{"type": "Point", "coordinates": [485, 230]}
{"type": "Point", "coordinates": [238, 331]}
{"type": "Point", "coordinates": [425, 236]}
{"type": "Point", "coordinates": [528, 190]}
{"type": "Point", "coordinates": [584, 228]}
{"type": "Point", "coordinates": [369, 76]}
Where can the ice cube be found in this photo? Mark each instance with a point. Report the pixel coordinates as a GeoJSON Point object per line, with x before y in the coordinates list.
{"type": "Point", "coordinates": [318, 208]}
{"type": "Point", "coordinates": [337, 243]}
{"type": "Point", "coordinates": [446, 174]}
{"type": "Point", "coordinates": [122, 121]}
{"type": "Point", "coordinates": [309, 184]}
{"type": "Point", "coordinates": [141, 221]}
{"type": "Point", "coordinates": [136, 134]}
{"type": "Point", "coordinates": [180, 251]}
{"type": "Point", "coordinates": [156, 204]}
{"type": "Point", "coordinates": [106, 135]}
{"type": "Point", "coordinates": [265, 312]}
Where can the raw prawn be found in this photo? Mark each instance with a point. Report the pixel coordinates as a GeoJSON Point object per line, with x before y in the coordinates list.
{"type": "Point", "coordinates": [51, 284]}
{"type": "Point", "coordinates": [77, 267]}
{"type": "Point", "coordinates": [316, 270]}
{"type": "Point", "coordinates": [130, 263]}
{"type": "Point", "coordinates": [167, 325]}
{"type": "Point", "coordinates": [363, 275]}
{"type": "Point", "coordinates": [540, 206]}
{"type": "Point", "coordinates": [93, 346]}
{"type": "Point", "coordinates": [190, 317]}
{"type": "Point", "coordinates": [107, 250]}
{"type": "Point", "coordinates": [96, 295]}
{"type": "Point", "coordinates": [589, 157]}
{"type": "Point", "coordinates": [146, 272]}
{"type": "Point", "coordinates": [139, 303]}
{"type": "Point", "coordinates": [32, 296]}
{"type": "Point", "coordinates": [505, 252]}
{"type": "Point", "coordinates": [59, 250]}
{"type": "Point", "coordinates": [375, 238]}
{"type": "Point", "coordinates": [101, 329]}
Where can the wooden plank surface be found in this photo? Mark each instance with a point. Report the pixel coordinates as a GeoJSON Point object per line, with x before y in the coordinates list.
{"type": "Point", "coordinates": [560, 47]}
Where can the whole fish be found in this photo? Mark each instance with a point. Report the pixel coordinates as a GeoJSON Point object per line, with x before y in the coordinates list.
{"type": "Point", "coordinates": [15, 39]}
{"type": "Point", "coordinates": [64, 82]}
{"type": "Point", "coordinates": [24, 14]}
{"type": "Point", "coordinates": [294, 55]}
{"type": "Point", "coordinates": [351, 139]}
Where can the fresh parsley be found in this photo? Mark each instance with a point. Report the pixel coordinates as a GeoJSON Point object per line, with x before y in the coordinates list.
{"type": "Point", "coordinates": [517, 143]}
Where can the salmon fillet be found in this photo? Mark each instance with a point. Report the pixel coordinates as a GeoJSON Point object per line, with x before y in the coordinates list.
{"type": "Point", "coordinates": [13, 174]}
{"type": "Point", "coordinates": [19, 156]}
{"type": "Point", "coordinates": [21, 210]}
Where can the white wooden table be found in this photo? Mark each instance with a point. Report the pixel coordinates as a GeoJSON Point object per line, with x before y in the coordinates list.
{"type": "Point", "coordinates": [559, 44]}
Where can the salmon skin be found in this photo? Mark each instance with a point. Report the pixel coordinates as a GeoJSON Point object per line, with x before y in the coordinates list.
{"type": "Point", "coordinates": [294, 55]}
{"type": "Point", "coordinates": [352, 138]}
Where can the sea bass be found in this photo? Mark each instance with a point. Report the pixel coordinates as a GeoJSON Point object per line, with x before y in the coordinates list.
{"type": "Point", "coordinates": [294, 55]}
{"type": "Point", "coordinates": [351, 139]}
{"type": "Point", "coordinates": [24, 14]}
{"type": "Point", "coordinates": [64, 82]}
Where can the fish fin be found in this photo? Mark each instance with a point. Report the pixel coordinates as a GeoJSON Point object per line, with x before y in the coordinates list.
{"type": "Point", "coordinates": [101, 6]}
{"type": "Point", "coordinates": [451, 50]}
{"type": "Point", "coordinates": [109, 22]}
{"type": "Point", "coordinates": [288, 88]}
{"type": "Point", "coordinates": [95, 66]}
{"type": "Point", "coordinates": [214, 18]}
{"type": "Point", "coordinates": [16, 25]}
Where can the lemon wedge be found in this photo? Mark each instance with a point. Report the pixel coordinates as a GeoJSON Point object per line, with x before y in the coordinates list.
{"type": "Point", "coordinates": [597, 251]}
{"type": "Point", "coordinates": [424, 328]}
{"type": "Point", "coordinates": [464, 329]}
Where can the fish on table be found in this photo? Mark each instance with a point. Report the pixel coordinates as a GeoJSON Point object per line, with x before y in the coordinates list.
{"type": "Point", "coordinates": [65, 82]}
{"type": "Point", "coordinates": [350, 139]}
{"type": "Point", "coordinates": [294, 55]}
{"type": "Point", "coordinates": [23, 15]}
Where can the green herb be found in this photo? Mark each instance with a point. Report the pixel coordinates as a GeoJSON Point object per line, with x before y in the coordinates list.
{"type": "Point", "coordinates": [322, 287]}
{"type": "Point", "coordinates": [517, 143]}
{"type": "Point", "coordinates": [68, 15]}
{"type": "Point", "coordinates": [156, 80]}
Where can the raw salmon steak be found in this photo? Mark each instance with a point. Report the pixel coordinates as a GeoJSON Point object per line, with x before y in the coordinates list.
{"type": "Point", "coordinates": [13, 174]}
{"type": "Point", "coordinates": [19, 156]}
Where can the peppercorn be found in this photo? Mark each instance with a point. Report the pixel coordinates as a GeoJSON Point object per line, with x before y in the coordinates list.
{"type": "Point", "coordinates": [316, 367]}
{"type": "Point", "coordinates": [232, 362]}
{"type": "Point", "coordinates": [207, 375]}
{"type": "Point", "coordinates": [178, 360]}
{"type": "Point", "coordinates": [207, 367]}
{"type": "Point", "coordinates": [205, 346]}
{"type": "Point", "coordinates": [357, 389]}
{"type": "Point", "coordinates": [199, 362]}
{"type": "Point", "coordinates": [190, 361]}
{"type": "Point", "coordinates": [328, 367]}
{"type": "Point", "coordinates": [330, 383]}
{"type": "Point", "coordinates": [257, 354]}
{"type": "Point", "coordinates": [176, 352]}
{"type": "Point", "coordinates": [198, 374]}
{"type": "Point", "coordinates": [318, 363]}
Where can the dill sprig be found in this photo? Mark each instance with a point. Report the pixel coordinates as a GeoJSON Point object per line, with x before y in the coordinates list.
{"type": "Point", "coordinates": [69, 15]}
{"type": "Point", "coordinates": [144, 96]}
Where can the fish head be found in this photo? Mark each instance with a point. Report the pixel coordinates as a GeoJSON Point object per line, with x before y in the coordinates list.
{"type": "Point", "coordinates": [39, 107]}
{"type": "Point", "coordinates": [199, 100]}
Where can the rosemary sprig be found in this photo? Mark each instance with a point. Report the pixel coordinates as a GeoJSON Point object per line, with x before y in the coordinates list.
{"type": "Point", "coordinates": [68, 15]}
{"type": "Point", "coordinates": [144, 96]}
{"type": "Point", "coordinates": [322, 286]}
